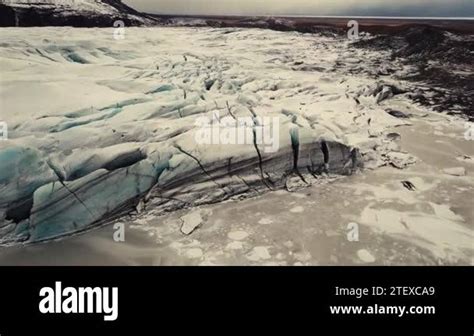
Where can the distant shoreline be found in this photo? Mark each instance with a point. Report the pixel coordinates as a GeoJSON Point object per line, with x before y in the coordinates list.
{"type": "Point", "coordinates": [384, 25]}
{"type": "Point", "coordinates": [300, 16]}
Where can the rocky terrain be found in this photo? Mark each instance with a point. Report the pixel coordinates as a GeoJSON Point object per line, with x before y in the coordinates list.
{"type": "Point", "coordinates": [442, 61]}
{"type": "Point", "coordinates": [77, 13]}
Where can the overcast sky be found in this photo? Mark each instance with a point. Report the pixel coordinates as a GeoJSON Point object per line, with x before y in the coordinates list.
{"type": "Point", "coordinates": [419, 8]}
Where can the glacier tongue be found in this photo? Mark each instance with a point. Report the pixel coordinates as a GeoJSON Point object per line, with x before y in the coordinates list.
{"type": "Point", "coordinates": [96, 137]}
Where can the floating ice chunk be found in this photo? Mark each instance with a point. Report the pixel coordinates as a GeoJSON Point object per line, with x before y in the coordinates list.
{"type": "Point", "coordinates": [444, 211]}
{"type": "Point", "coordinates": [456, 171]}
{"type": "Point", "coordinates": [297, 209]}
{"type": "Point", "coordinates": [194, 253]}
{"type": "Point", "coordinates": [235, 245]}
{"type": "Point", "coordinates": [191, 222]}
{"type": "Point", "coordinates": [238, 235]}
{"type": "Point", "coordinates": [365, 256]}
{"type": "Point", "coordinates": [259, 253]}
{"type": "Point", "coordinates": [465, 159]}
{"type": "Point", "coordinates": [401, 160]}
{"type": "Point", "coordinates": [265, 221]}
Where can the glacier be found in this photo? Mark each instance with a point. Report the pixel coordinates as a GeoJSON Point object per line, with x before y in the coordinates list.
{"type": "Point", "coordinates": [100, 127]}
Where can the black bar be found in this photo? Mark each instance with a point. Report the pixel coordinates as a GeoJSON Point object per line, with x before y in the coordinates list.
{"type": "Point", "coordinates": [200, 299]}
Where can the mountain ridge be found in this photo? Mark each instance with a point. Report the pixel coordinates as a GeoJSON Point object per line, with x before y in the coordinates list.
{"type": "Point", "coordinates": [77, 13]}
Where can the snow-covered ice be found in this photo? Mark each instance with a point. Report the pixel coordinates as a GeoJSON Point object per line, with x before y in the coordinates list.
{"type": "Point", "coordinates": [97, 125]}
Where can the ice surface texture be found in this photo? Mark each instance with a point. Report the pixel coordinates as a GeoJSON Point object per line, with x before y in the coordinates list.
{"type": "Point", "coordinates": [99, 125]}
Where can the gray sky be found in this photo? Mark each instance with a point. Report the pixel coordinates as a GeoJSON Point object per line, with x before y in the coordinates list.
{"type": "Point", "coordinates": [420, 8]}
